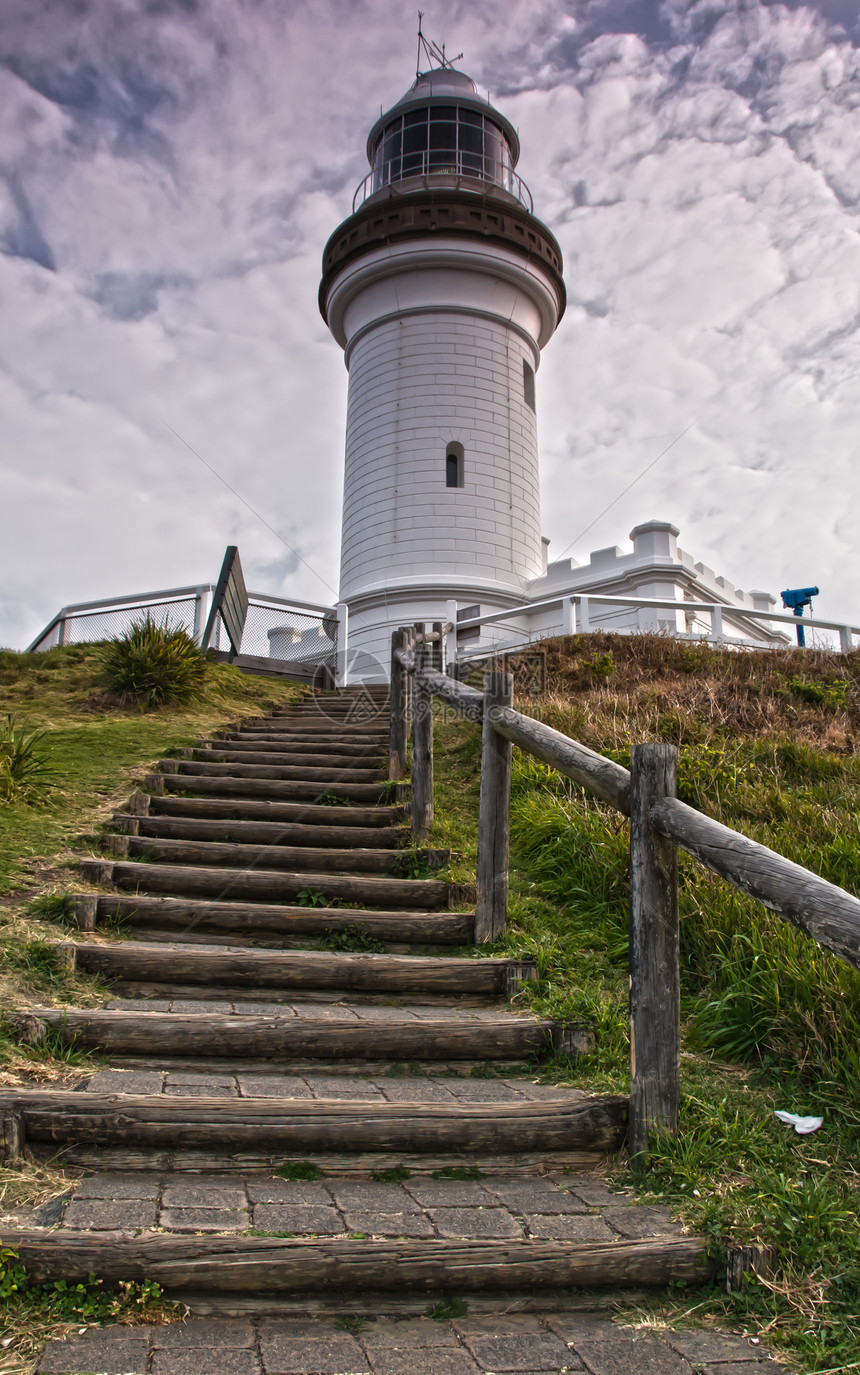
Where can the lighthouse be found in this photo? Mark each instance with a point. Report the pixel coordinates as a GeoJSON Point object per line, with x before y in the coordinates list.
{"type": "Point", "coordinates": [442, 288]}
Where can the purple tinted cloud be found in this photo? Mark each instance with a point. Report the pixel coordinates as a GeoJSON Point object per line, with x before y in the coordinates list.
{"type": "Point", "coordinates": [170, 173]}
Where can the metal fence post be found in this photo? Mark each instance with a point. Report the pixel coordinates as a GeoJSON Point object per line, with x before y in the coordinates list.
{"type": "Point", "coordinates": [451, 640]}
{"type": "Point", "coordinates": [422, 749]}
{"type": "Point", "coordinates": [845, 639]}
{"type": "Point", "coordinates": [399, 706]}
{"type": "Point", "coordinates": [341, 660]}
{"type": "Point", "coordinates": [494, 814]}
{"type": "Point", "coordinates": [201, 612]}
{"type": "Point", "coordinates": [655, 994]}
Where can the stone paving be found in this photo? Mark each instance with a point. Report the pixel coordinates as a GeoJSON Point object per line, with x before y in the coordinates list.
{"type": "Point", "coordinates": [564, 1208]}
{"type": "Point", "coordinates": [369, 1088]}
{"type": "Point", "coordinates": [487, 1345]}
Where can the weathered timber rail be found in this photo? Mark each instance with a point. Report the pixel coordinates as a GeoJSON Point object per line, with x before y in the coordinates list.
{"type": "Point", "coordinates": [659, 823]}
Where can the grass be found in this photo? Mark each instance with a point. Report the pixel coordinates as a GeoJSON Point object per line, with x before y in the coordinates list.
{"type": "Point", "coordinates": [95, 751]}
{"type": "Point", "coordinates": [25, 774]}
{"type": "Point", "coordinates": [36, 1313]}
{"type": "Point", "coordinates": [98, 752]}
{"type": "Point", "coordinates": [154, 663]}
{"type": "Point", "coordinates": [767, 744]}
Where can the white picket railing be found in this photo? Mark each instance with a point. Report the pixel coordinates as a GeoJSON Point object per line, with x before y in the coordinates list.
{"type": "Point", "coordinates": [576, 619]}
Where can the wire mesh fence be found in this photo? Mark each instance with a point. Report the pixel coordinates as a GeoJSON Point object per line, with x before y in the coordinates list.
{"type": "Point", "coordinates": [275, 631]}
{"type": "Point", "coordinates": [109, 622]}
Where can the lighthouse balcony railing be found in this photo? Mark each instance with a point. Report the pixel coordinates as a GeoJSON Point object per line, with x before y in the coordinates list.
{"type": "Point", "coordinates": [465, 171]}
{"type": "Point", "coordinates": [709, 622]}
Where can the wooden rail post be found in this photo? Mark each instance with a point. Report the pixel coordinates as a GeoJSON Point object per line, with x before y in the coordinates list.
{"type": "Point", "coordinates": [436, 647]}
{"type": "Point", "coordinates": [494, 814]}
{"type": "Point", "coordinates": [655, 995]}
{"type": "Point", "coordinates": [399, 700]}
{"type": "Point", "coordinates": [422, 749]}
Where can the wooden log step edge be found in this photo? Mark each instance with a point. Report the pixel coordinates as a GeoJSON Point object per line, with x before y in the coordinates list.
{"type": "Point", "coordinates": [155, 1120]}
{"type": "Point", "coordinates": [270, 855]}
{"type": "Point", "coordinates": [243, 920]}
{"type": "Point", "coordinates": [278, 1265]}
{"type": "Point", "coordinates": [301, 968]}
{"type": "Point", "coordinates": [285, 1038]}
{"type": "Point", "coordinates": [278, 884]}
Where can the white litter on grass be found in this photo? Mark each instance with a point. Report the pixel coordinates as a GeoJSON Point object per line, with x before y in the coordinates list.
{"type": "Point", "coordinates": [802, 1125]}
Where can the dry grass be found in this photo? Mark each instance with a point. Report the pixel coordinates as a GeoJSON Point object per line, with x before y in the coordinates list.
{"type": "Point", "coordinates": [617, 689]}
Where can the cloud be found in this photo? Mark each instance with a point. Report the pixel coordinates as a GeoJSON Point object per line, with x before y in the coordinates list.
{"type": "Point", "coordinates": [171, 172]}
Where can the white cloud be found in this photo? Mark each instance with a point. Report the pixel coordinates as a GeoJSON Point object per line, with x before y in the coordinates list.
{"type": "Point", "coordinates": [171, 175]}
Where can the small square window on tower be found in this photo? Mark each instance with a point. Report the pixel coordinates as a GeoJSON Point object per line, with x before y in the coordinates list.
{"type": "Point", "coordinates": [454, 456]}
{"type": "Point", "coordinates": [529, 385]}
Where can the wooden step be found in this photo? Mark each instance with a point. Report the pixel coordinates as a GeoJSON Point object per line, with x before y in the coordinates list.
{"type": "Point", "coordinates": [237, 854]}
{"type": "Point", "coordinates": [240, 922]}
{"type": "Point", "coordinates": [360, 818]}
{"type": "Point", "coordinates": [324, 730]}
{"type": "Point", "coordinates": [236, 969]}
{"type": "Point", "coordinates": [302, 772]}
{"type": "Point", "coordinates": [331, 1125]}
{"type": "Point", "coordinates": [272, 1265]}
{"type": "Point", "coordinates": [300, 748]}
{"type": "Point", "coordinates": [284, 1039]}
{"type": "Point", "coordinates": [332, 759]}
{"type": "Point", "coordinates": [233, 831]}
{"type": "Point", "coordinates": [158, 783]}
{"type": "Point", "coordinates": [275, 884]}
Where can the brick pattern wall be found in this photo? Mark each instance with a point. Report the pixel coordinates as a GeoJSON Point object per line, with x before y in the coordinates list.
{"type": "Point", "coordinates": [416, 384]}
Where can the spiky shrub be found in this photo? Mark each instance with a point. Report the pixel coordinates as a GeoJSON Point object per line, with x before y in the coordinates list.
{"type": "Point", "coordinates": [25, 775]}
{"type": "Point", "coordinates": [153, 664]}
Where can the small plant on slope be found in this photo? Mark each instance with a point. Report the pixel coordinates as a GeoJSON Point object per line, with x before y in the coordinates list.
{"type": "Point", "coordinates": [25, 775]}
{"type": "Point", "coordinates": [154, 664]}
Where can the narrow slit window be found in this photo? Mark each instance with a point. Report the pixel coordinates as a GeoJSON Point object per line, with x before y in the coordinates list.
{"type": "Point", "coordinates": [454, 465]}
{"type": "Point", "coordinates": [529, 385]}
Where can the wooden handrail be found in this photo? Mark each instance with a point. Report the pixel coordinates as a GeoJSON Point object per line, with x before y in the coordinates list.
{"type": "Point", "coordinates": [659, 822]}
{"type": "Point", "coordinates": [823, 910]}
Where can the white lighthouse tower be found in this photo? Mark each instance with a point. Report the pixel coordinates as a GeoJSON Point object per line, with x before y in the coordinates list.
{"type": "Point", "coordinates": [442, 288]}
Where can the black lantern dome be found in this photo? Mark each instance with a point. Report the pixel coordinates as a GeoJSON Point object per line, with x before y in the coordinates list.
{"type": "Point", "coordinates": [443, 128]}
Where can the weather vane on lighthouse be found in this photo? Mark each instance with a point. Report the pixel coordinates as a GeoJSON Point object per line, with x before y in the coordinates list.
{"type": "Point", "coordinates": [431, 51]}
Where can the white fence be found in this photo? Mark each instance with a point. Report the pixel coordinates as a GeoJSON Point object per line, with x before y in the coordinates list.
{"type": "Point", "coordinates": [576, 617]}
{"type": "Point", "coordinates": [276, 628]}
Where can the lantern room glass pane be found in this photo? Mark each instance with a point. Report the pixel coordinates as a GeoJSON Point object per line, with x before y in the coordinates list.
{"type": "Point", "coordinates": [442, 139]}
{"type": "Point", "coordinates": [414, 143]}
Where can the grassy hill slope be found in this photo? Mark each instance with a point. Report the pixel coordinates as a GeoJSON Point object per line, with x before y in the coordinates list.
{"type": "Point", "coordinates": [98, 753]}
{"type": "Point", "coordinates": [767, 744]}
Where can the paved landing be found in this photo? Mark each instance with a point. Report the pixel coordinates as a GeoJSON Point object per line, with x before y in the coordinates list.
{"type": "Point", "coordinates": [566, 1208]}
{"type": "Point", "coordinates": [369, 1088]}
{"type": "Point", "coordinates": [496, 1345]}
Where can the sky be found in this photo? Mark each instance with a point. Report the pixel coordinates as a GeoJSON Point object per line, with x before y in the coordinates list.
{"type": "Point", "coordinates": [171, 170]}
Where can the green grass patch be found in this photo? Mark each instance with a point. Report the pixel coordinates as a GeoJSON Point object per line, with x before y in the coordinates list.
{"type": "Point", "coordinates": [771, 1021]}
{"type": "Point", "coordinates": [299, 1169]}
{"type": "Point", "coordinates": [154, 663]}
{"type": "Point", "coordinates": [352, 938]}
{"type": "Point", "coordinates": [34, 1313]}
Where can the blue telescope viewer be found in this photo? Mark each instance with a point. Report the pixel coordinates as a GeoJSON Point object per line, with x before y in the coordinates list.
{"type": "Point", "coordinates": [795, 599]}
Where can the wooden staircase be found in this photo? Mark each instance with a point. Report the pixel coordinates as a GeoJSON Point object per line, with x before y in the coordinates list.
{"type": "Point", "coordinates": [265, 1057]}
